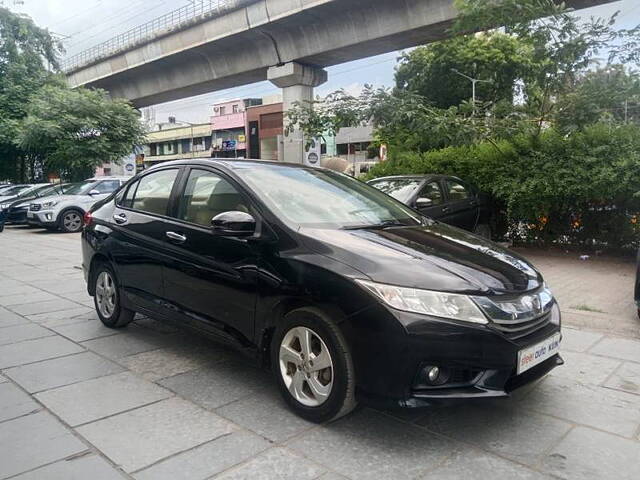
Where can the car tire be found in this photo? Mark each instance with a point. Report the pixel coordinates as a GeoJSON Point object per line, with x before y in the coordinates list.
{"type": "Point", "coordinates": [106, 298]}
{"type": "Point", "coordinates": [316, 394]}
{"type": "Point", "coordinates": [71, 220]}
{"type": "Point", "coordinates": [483, 230]}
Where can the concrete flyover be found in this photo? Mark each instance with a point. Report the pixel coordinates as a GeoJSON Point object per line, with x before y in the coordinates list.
{"type": "Point", "coordinates": [238, 47]}
{"type": "Point", "coordinates": [285, 41]}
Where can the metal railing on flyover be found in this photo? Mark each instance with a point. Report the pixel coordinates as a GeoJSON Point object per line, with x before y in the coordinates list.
{"type": "Point", "coordinates": [189, 14]}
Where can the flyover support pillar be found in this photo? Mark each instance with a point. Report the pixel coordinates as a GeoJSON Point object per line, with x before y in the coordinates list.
{"type": "Point", "coordinates": [297, 82]}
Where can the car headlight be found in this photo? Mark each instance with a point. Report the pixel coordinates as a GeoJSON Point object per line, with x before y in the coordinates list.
{"type": "Point", "coordinates": [427, 302]}
{"type": "Point", "coordinates": [50, 204]}
{"type": "Point", "coordinates": [4, 205]}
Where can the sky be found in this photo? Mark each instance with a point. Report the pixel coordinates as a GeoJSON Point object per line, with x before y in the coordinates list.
{"type": "Point", "coordinates": [82, 24]}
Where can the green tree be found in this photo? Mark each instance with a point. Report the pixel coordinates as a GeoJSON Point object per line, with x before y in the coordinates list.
{"type": "Point", "coordinates": [501, 61]}
{"type": "Point", "coordinates": [564, 46]}
{"type": "Point", "coordinates": [610, 94]}
{"type": "Point", "coordinates": [74, 131]}
{"type": "Point", "coordinates": [25, 49]}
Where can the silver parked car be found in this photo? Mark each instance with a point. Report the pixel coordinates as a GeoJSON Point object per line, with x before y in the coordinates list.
{"type": "Point", "coordinates": [65, 212]}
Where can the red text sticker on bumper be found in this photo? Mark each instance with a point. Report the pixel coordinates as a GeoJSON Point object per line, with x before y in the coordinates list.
{"type": "Point", "coordinates": [531, 356]}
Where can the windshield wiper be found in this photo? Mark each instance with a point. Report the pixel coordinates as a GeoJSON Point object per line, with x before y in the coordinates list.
{"type": "Point", "coordinates": [377, 226]}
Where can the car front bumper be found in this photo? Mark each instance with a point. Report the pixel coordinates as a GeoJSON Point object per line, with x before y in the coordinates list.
{"type": "Point", "coordinates": [17, 216]}
{"type": "Point", "coordinates": [482, 361]}
{"type": "Point", "coordinates": [43, 218]}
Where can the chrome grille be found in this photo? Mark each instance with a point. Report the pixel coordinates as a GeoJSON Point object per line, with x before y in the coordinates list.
{"type": "Point", "coordinates": [515, 329]}
{"type": "Point", "coordinates": [34, 207]}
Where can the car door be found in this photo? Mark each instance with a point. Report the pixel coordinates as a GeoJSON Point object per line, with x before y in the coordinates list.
{"type": "Point", "coordinates": [462, 205]}
{"type": "Point", "coordinates": [211, 278]}
{"type": "Point", "coordinates": [139, 249]}
{"type": "Point", "coordinates": [430, 200]}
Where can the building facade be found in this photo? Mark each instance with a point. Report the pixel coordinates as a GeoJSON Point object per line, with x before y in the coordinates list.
{"type": "Point", "coordinates": [228, 127]}
{"type": "Point", "coordinates": [265, 130]}
{"type": "Point", "coordinates": [176, 143]}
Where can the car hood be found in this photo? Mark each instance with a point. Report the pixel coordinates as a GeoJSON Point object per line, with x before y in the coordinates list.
{"type": "Point", "coordinates": [23, 202]}
{"type": "Point", "coordinates": [7, 198]}
{"type": "Point", "coordinates": [434, 257]}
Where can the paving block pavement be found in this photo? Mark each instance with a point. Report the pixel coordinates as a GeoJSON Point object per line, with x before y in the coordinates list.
{"type": "Point", "coordinates": [150, 402]}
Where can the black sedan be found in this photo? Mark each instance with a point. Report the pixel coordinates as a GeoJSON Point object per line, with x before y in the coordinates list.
{"type": "Point", "coordinates": [345, 293]}
{"type": "Point", "coordinates": [441, 197]}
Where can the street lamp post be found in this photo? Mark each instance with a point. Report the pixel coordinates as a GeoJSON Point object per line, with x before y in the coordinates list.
{"type": "Point", "coordinates": [190, 125]}
{"type": "Point", "coordinates": [473, 85]}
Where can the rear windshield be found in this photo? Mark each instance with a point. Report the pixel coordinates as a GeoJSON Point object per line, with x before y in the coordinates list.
{"type": "Point", "coordinates": [399, 188]}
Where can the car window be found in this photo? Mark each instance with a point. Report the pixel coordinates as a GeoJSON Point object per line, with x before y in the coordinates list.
{"type": "Point", "coordinates": [152, 192]}
{"type": "Point", "coordinates": [127, 199]}
{"type": "Point", "coordinates": [433, 192]}
{"type": "Point", "coordinates": [107, 186]}
{"type": "Point", "coordinates": [399, 188]}
{"type": "Point", "coordinates": [456, 190]}
{"type": "Point", "coordinates": [207, 195]}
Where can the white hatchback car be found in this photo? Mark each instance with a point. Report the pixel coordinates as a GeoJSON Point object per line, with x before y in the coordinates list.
{"type": "Point", "coordinates": [66, 212]}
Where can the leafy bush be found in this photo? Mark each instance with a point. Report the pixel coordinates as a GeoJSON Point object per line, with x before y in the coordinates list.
{"type": "Point", "coordinates": [582, 189]}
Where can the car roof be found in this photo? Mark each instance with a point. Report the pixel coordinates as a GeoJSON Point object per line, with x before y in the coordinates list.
{"type": "Point", "coordinates": [431, 176]}
{"type": "Point", "coordinates": [227, 163]}
{"type": "Point", "coordinates": [97, 179]}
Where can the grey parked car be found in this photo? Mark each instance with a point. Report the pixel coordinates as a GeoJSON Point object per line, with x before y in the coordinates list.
{"type": "Point", "coordinates": [66, 212]}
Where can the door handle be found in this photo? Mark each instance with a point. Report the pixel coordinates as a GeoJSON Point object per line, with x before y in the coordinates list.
{"type": "Point", "coordinates": [176, 237]}
{"type": "Point", "coordinates": [445, 209]}
{"type": "Point", "coordinates": [120, 218]}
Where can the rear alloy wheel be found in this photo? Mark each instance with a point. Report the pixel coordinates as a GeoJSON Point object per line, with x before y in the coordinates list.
{"type": "Point", "coordinates": [107, 299]}
{"type": "Point", "coordinates": [312, 365]}
{"type": "Point", "coordinates": [71, 221]}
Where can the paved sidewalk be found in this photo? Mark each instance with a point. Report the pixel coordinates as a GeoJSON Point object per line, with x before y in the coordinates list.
{"type": "Point", "coordinates": [149, 402]}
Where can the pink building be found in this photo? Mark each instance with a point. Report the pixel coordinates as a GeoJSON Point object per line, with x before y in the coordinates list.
{"type": "Point", "coordinates": [228, 124]}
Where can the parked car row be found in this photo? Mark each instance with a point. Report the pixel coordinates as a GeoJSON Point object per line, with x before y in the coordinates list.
{"type": "Point", "coordinates": [55, 207]}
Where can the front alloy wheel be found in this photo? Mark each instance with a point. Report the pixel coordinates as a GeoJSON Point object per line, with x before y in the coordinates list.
{"type": "Point", "coordinates": [71, 221]}
{"type": "Point", "coordinates": [312, 364]}
{"type": "Point", "coordinates": [306, 366]}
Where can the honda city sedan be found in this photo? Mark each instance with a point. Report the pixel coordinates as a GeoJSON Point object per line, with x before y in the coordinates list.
{"type": "Point", "coordinates": [345, 293]}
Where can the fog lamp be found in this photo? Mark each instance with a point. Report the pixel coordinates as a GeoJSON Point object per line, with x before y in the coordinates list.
{"type": "Point", "coordinates": [435, 375]}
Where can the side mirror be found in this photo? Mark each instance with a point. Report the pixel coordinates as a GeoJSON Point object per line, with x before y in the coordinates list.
{"type": "Point", "coordinates": [233, 224]}
{"type": "Point", "coordinates": [94, 192]}
{"type": "Point", "coordinates": [424, 202]}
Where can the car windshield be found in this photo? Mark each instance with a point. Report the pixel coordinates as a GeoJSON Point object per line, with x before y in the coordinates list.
{"type": "Point", "coordinates": [36, 190]}
{"type": "Point", "coordinates": [48, 190]}
{"type": "Point", "coordinates": [399, 188]}
{"type": "Point", "coordinates": [15, 190]}
{"type": "Point", "coordinates": [305, 197]}
{"type": "Point", "coordinates": [79, 188]}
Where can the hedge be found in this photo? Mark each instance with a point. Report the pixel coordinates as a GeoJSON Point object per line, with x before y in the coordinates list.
{"type": "Point", "coordinates": [582, 189]}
